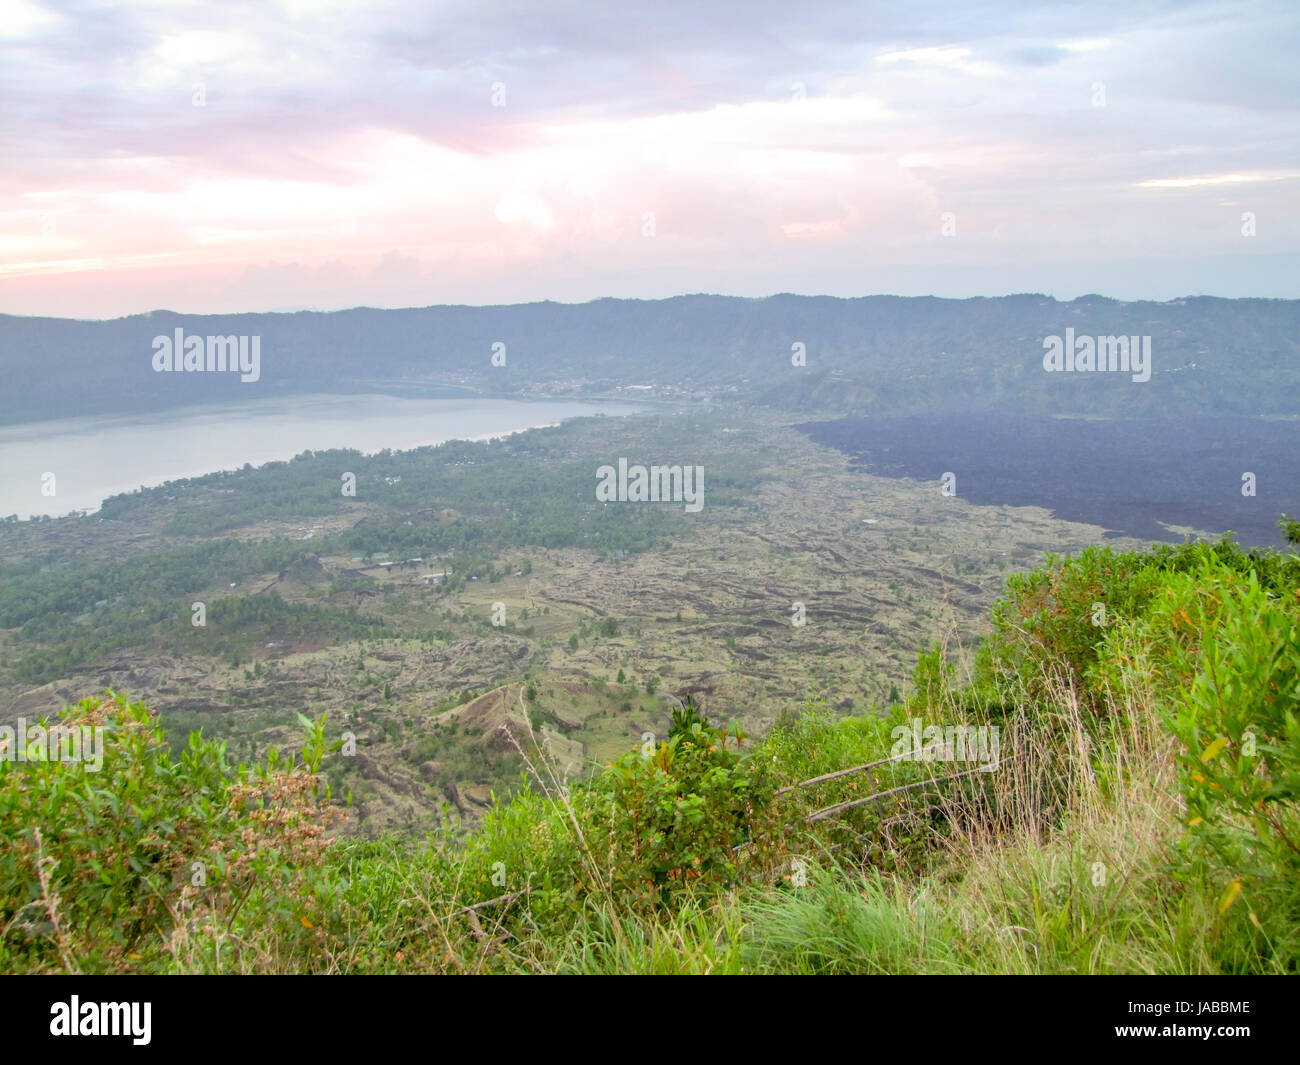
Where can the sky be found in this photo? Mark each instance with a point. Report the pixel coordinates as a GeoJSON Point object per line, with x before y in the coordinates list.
{"type": "Point", "coordinates": [218, 157]}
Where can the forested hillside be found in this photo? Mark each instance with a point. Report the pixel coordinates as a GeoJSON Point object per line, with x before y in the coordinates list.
{"type": "Point", "coordinates": [875, 354]}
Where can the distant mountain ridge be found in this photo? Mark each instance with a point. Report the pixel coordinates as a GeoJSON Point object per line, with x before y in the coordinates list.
{"type": "Point", "coordinates": [866, 355]}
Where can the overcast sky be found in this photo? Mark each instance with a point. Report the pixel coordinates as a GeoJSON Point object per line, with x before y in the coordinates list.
{"type": "Point", "coordinates": [286, 154]}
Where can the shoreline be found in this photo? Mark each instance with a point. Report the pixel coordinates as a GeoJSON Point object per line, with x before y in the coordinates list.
{"type": "Point", "coordinates": [82, 506]}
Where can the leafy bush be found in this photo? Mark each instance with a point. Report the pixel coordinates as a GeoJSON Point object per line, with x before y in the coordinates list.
{"type": "Point", "coordinates": [1051, 623]}
{"type": "Point", "coordinates": [123, 867]}
{"type": "Point", "coordinates": [1228, 686]}
{"type": "Point", "coordinates": [676, 817]}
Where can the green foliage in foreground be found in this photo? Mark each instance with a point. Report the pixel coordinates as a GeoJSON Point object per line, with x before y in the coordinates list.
{"type": "Point", "coordinates": [1141, 817]}
{"type": "Point", "coordinates": [103, 870]}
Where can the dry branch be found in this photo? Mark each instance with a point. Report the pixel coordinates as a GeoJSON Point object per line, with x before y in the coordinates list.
{"type": "Point", "coordinates": [492, 902]}
{"type": "Point", "coordinates": [906, 756]}
{"type": "Point", "coordinates": [831, 811]}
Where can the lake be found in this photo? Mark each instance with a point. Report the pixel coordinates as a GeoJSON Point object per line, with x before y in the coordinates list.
{"type": "Point", "coordinates": [93, 458]}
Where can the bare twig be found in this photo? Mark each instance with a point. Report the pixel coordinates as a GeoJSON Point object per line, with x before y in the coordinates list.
{"type": "Point", "coordinates": [831, 811]}
{"type": "Point", "coordinates": [904, 757]}
{"type": "Point", "coordinates": [845, 772]}
{"type": "Point", "coordinates": [492, 902]}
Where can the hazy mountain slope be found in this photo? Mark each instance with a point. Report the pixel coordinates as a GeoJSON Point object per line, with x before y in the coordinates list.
{"type": "Point", "coordinates": [871, 354]}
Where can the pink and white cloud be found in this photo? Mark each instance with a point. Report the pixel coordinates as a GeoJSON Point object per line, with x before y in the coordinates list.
{"type": "Point", "coordinates": [306, 153]}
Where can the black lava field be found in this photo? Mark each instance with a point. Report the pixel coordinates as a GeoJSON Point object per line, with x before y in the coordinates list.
{"type": "Point", "coordinates": [1128, 476]}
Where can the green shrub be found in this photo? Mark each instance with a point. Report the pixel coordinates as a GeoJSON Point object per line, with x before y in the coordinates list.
{"type": "Point", "coordinates": [1050, 624]}
{"type": "Point", "coordinates": [679, 817]}
{"type": "Point", "coordinates": [126, 867]}
{"type": "Point", "coordinates": [1226, 674]}
{"type": "Point", "coordinates": [1051, 621]}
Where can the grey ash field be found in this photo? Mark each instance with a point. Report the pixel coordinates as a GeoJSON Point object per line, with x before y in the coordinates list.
{"type": "Point", "coordinates": [313, 607]}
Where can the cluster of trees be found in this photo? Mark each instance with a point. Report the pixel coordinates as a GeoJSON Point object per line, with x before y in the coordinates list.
{"type": "Point", "coordinates": [239, 625]}
{"type": "Point", "coordinates": [461, 497]}
{"type": "Point", "coordinates": [235, 628]}
{"type": "Point", "coordinates": [78, 612]}
{"type": "Point", "coordinates": [44, 600]}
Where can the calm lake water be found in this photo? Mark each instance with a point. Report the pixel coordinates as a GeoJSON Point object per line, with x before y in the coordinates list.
{"type": "Point", "coordinates": [93, 458]}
